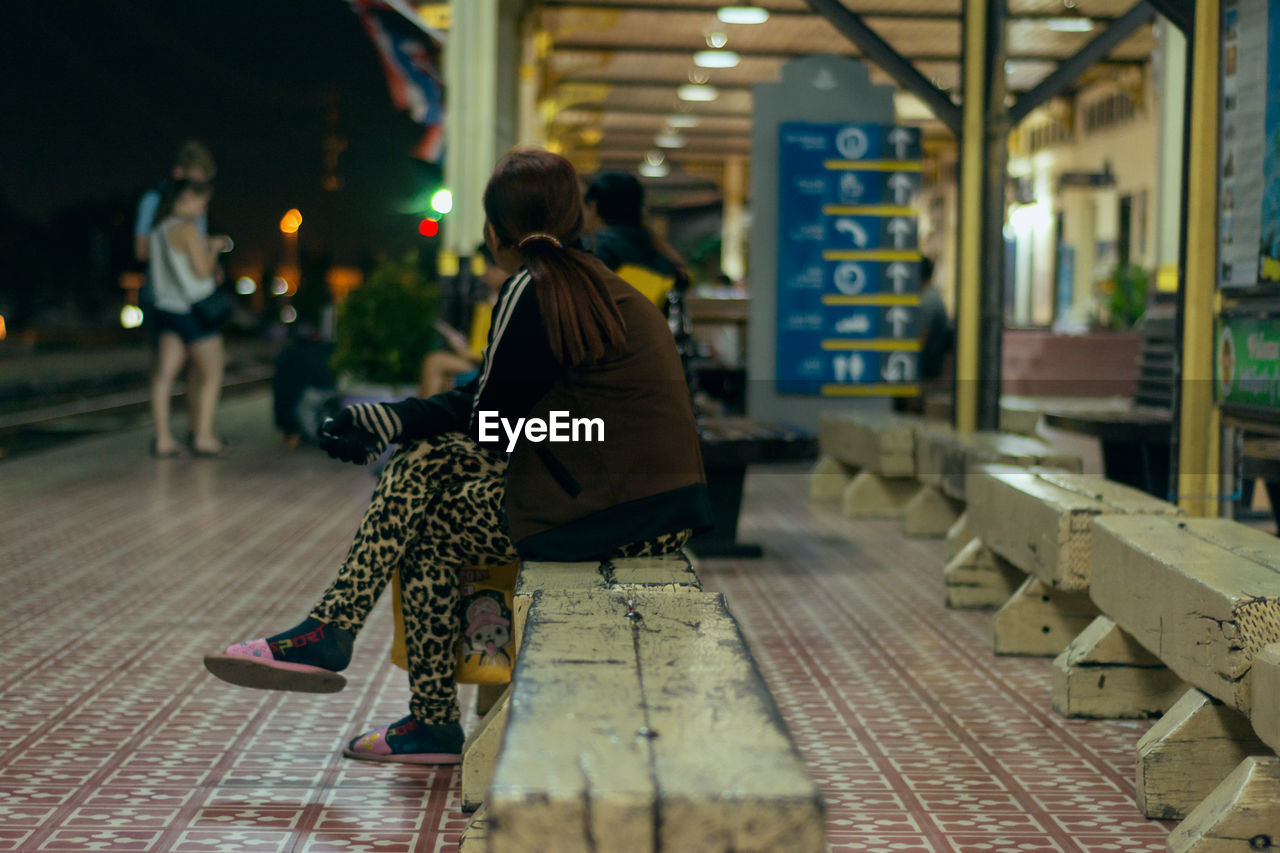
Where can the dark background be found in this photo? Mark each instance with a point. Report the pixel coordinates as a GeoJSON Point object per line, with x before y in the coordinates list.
{"type": "Point", "coordinates": [95, 98]}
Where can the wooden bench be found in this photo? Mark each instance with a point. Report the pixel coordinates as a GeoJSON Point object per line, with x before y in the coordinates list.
{"type": "Point", "coordinates": [1203, 596]}
{"type": "Point", "coordinates": [868, 462]}
{"type": "Point", "coordinates": [646, 732]}
{"type": "Point", "coordinates": [1040, 524]}
{"type": "Point", "coordinates": [729, 445]}
{"type": "Point", "coordinates": [946, 461]}
{"type": "Point", "coordinates": [673, 573]}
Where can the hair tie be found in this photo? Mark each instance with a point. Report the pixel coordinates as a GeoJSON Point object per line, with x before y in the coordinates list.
{"type": "Point", "coordinates": [540, 236]}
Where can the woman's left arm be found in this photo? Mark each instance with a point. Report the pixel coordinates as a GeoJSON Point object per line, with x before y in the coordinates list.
{"type": "Point", "coordinates": [519, 366]}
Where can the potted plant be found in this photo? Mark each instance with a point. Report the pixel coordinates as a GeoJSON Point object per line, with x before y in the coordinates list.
{"type": "Point", "coordinates": [1128, 297]}
{"type": "Point", "coordinates": [382, 332]}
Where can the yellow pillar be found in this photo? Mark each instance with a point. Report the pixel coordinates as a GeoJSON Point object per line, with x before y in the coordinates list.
{"type": "Point", "coordinates": [733, 232]}
{"type": "Point", "coordinates": [1199, 427]}
{"type": "Point", "coordinates": [969, 273]}
{"type": "Point", "coordinates": [471, 75]}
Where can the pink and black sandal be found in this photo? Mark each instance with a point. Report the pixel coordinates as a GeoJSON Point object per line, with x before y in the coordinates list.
{"type": "Point", "coordinates": [409, 742]}
{"type": "Point", "coordinates": [251, 664]}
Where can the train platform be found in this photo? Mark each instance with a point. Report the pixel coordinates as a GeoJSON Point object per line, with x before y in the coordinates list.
{"type": "Point", "coordinates": [120, 571]}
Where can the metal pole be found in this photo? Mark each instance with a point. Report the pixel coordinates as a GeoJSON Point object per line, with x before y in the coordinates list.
{"type": "Point", "coordinates": [984, 161]}
{"type": "Point", "coordinates": [993, 248]}
{"type": "Point", "coordinates": [890, 61]}
{"type": "Point", "coordinates": [1085, 58]}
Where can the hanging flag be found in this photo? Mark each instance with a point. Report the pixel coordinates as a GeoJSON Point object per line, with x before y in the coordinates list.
{"type": "Point", "coordinates": [410, 54]}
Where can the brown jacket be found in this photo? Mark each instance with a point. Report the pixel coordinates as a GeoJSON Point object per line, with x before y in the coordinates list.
{"type": "Point", "coordinates": [584, 497]}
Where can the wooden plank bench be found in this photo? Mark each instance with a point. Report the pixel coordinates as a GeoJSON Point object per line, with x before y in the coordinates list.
{"type": "Point", "coordinates": [643, 734]}
{"type": "Point", "coordinates": [1202, 595]}
{"type": "Point", "coordinates": [1041, 522]}
{"type": "Point", "coordinates": [672, 573]}
{"type": "Point", "coordinates": [868, 463]}
{"type": "Point", "coordinates": [650, 585]}
{"type": "Point", "coordinates": [946, 460]}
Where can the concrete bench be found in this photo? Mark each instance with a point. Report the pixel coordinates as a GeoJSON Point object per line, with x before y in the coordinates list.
{"type": "Point", "coordinates": [947, 459]}
{"type": "Point", "coordinates": [1203, 596]}
{"type": "Point", "coordinates": [672, 573]}
{"type": "Point", "coordinates": [1040, 522]}
{"type": "Point", "coordinates": [584, 673]}
{"type": "Point", "coordinates": [867, 462]}
{"type": "Point", "coordinates": [644, 734]}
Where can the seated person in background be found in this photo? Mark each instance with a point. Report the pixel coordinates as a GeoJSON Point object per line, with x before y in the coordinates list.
{"type": "Point", "coordinates": [442, 369]}
{"type": "Point", "coordinates": [615, 213]}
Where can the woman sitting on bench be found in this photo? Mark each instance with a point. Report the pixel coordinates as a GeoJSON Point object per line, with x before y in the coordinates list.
{"type": "Point", "coordinates": [474, 483]}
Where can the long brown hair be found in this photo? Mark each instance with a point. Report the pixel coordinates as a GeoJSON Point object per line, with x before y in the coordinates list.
{"type": "Point", "coordinates": [532, 202]}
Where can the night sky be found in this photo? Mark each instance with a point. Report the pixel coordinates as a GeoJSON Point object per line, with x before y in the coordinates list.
{"type": "Point", "coordinates": [96, 95]}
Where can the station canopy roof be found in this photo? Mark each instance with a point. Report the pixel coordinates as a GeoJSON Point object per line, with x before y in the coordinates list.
{"type": "Point", "coordinates": [612, 69]}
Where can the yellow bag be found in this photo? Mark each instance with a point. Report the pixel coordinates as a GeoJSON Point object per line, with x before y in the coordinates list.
{"type": "Point", "coordinates": [652, 284]}
{"type": "Point", "coordinates": [485, 652]}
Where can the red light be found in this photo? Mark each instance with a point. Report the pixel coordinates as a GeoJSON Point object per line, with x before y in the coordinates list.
{"type": "Point", "coordinates": [429, 227]}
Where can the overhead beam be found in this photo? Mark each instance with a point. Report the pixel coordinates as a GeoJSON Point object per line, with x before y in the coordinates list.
{"type": "Point", "coordinates": [786, 55]}
{"type": "Point", "coordinates": [1180, 13]}
{"type": "Point", "coordinates": [787, 12]}
{"type": "Point", "coordinates": [701, 111]}
{"type": "Point", "coordinates": [890, 61]}
{"type": "Point", "coordinates": [666, 84]}
{"type": "Point", "coordinates": [1066, 74]}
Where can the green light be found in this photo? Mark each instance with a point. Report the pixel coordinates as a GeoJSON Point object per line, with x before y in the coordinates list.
{"type": "Point", "coordinates": [442, 201]}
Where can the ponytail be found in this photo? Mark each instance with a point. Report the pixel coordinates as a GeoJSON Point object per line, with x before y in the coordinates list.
{"type": "Point", "coordinates": [532, 202]}
{"type": "Point", "coordinates": [580, 315]}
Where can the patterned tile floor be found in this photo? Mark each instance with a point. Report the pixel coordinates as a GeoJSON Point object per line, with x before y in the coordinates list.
{"type": "Point", "coordinates": [119, 571]}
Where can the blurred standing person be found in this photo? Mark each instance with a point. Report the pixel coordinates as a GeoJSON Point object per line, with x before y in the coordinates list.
{"type": "Point", "coordinates": [935, 327]}
{"type": "Point", "coordinates": [193, 161]}
{"type": "Point", "coordinates": [183, 260]}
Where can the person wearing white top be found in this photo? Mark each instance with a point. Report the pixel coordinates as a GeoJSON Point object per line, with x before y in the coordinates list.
{"type": "Point", "coordinates": [183, 261]}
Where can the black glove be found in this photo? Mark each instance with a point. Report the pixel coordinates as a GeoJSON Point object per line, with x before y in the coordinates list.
{"type": "Point", "coordinates": [360, 433]}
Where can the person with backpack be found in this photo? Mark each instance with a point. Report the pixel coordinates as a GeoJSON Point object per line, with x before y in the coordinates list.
{"type": "Point", "coordinates": [615, 218]}
{"type": "Point", "coordinates": [568, 337]}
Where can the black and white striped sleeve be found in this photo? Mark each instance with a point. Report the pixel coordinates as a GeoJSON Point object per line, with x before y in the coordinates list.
{"type": "Point", "coordinates": [516, 371]}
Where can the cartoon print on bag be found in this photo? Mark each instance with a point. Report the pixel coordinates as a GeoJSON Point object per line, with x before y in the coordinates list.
{"type": "Point", "coordinates": [487, 629]}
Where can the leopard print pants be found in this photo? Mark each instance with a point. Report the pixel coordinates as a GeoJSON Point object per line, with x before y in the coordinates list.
{"type": "Point", "coordinates": [437, 509]}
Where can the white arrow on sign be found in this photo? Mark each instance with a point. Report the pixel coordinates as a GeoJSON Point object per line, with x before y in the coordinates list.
{"type": "Point", "coordinates": [898, 273]}
{"type": "Point", "coordinates": [901, 230]}
{"type": "Point", "coordinates": [901, 186]}
{"type": "Point", "coordinates": [851, 189]}
{"type": "Point", "coordinates": [900, 318]}
{"type": "Point", "coordinates": [850, 279]}
{"type": "Point", "coordinates": [852, 143]}
{"type": "Point", "coordinates": [897, 368]}
{"type": "Point", "coordinates": [854, 230]}
{"type": "Point", "coordinates": [854, 324]}
{"type": "Point", "coordinates": [900, 139]}
{"type": "Point", "coordinates": [849, 367]}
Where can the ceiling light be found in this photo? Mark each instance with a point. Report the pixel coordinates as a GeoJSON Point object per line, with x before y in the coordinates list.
{"type": "Point", "coordinates": [1071, 25]}
{"type": "Point", "coordinates": [669, 140]}
{"type": "Point", "coordinates": [649, 170]}
{"type": "Point", "coordinates": [693, 92]}
{"type": "Point", "coordinates": [717, 39]}
{"type": "Point", "coordinates": [654, 158]}
{"type": "Point", "coordinates": [683, 120]}
{"type": "Point", "coordinates": [699, 77]}
{"type": "Point", "coordinates": [742, 14]}
{"type": "Point", "coordinates": [715, 59]}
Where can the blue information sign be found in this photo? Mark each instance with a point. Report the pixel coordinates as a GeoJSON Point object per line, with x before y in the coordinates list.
{"type": "Point", "coordinates": [848, 259]}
